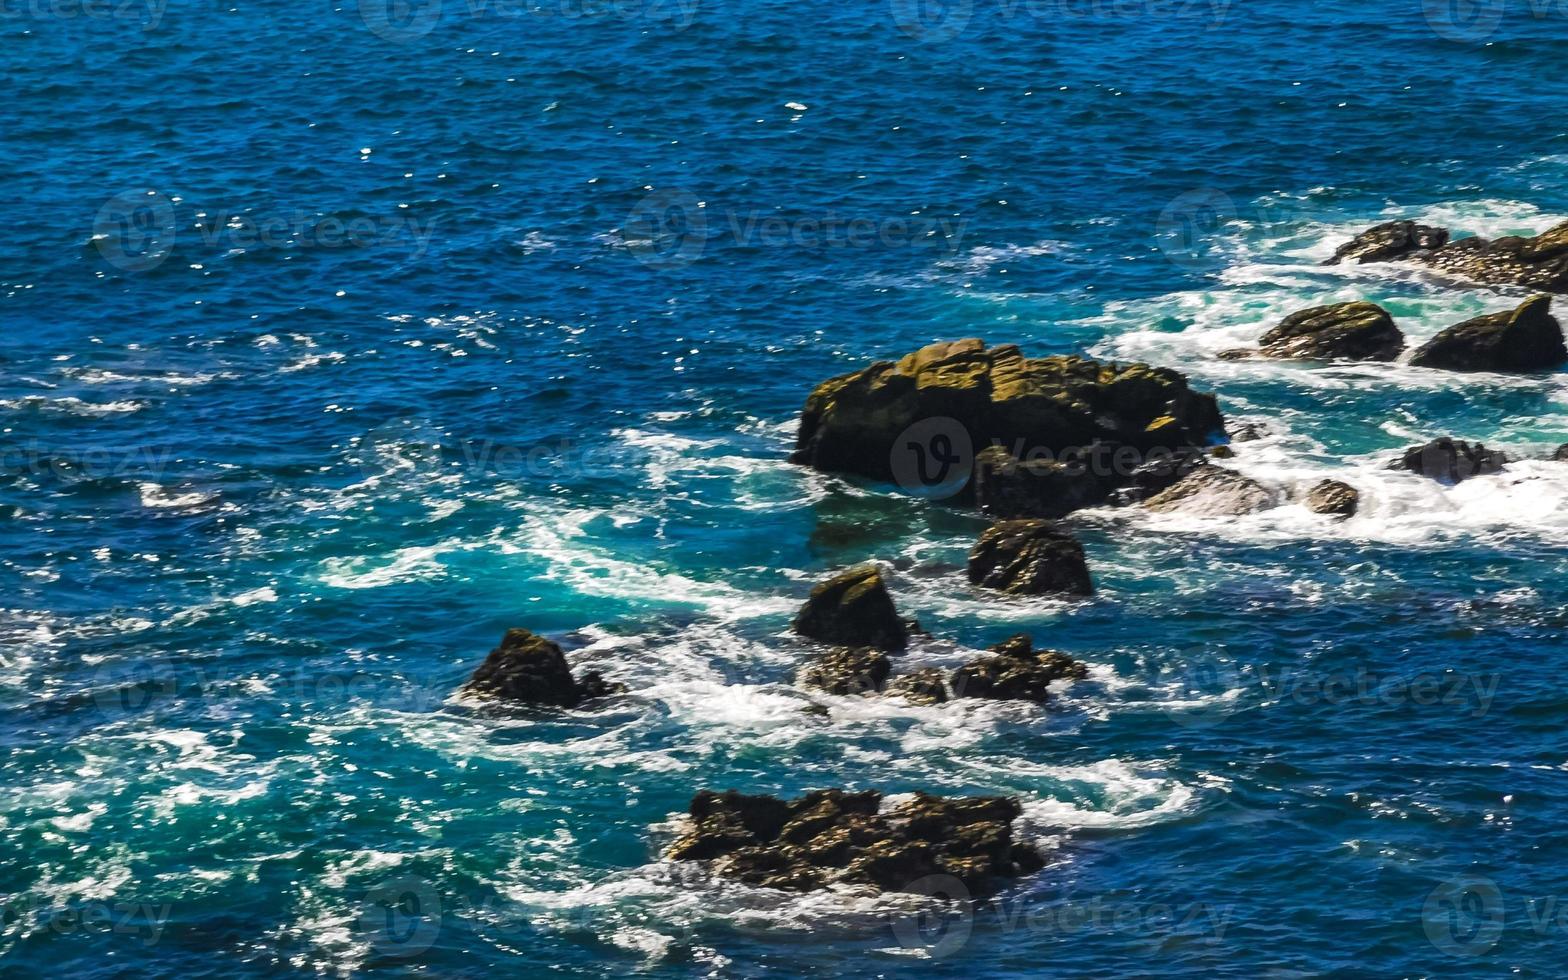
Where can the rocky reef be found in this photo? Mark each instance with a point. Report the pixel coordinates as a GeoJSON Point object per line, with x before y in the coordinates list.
{"type": "Point", "coordinates": [1213, 491]}
{"type": "Point", "coordinates": [1520, 340]}
{"type": "Point", "coordinates": [1536, 262]}
{"type": "Point", "coordinates": [1035, 408]}
{"type": "Point", "coordinates": [1016, 672]}
{"type": "Point", "coordinates": [1030, 557]}
{"type": "Point", "coordinates": [528, 669]}
{"type": "Point", "coordinates": [853, 609]}
{"type": "Point", "coordinates": [832, 836]}
{"type": "Point", "coordinates": [1450, 460]}
{"type": "Point", "coordinates": [848, 670]}
{"type": "Point", "coordinates": [1344, 331]}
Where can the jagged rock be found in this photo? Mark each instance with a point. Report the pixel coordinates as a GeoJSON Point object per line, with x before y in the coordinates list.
{"type": "Point", "coordinates": [923, 686]}
{"type": "Point", "coordinates": [1343, 331]}
{"type": "Point", "coordinates": [1222, 452]}
{"type": "Point", "coordinates": [1213, 491]}
{"type": "Point", "coordinates": [1017, 672]}
{"type": "Point", "coordinates": [1029, 557]}
{"type": "Point", "coordinates": [1537, 262]}
{"type": "Point", "coordinates": [1032, 406]}
{"type": "Point", "coordinates": [829, 836]}
{"type": "Point", "coordinates": [1528, 338]}
{"type": "Point", "coordinates": [1248, 432]}
{"type": "Point", "coordinates": [1334, 498]}
{"type": "Point", "coordinates": [1161, 472]}
{"type": "Point", "coordinates": [1388, 241]}
{"type": "Point", "coordinates": [529, 669]}
{"type": "Point", "coordinates": [848, 670]}
{"type": "Point", "coordinates": [853, 609]}
{"type": "Point", "coordinates": [1450, 460]}
{"type": "Point", "coordinates": [1561, 455]}
{"type": "Point", "coordinates": [1005, 487]}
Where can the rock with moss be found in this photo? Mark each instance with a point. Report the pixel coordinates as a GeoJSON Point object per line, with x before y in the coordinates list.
{"type": "Point", "coordinates": [1030, 557]}
{"type": "Point", "coordinates": [853, 609]}
{"type": "Point", "coordinates": [1016, 671]}
{"type": "Point", "coordinates": [1532, 261]}
{"type": "Point", "coordinates": [1037, 408]}
{"type": "Point", "coordinates": [1450, 461]}
{"type": "Point", "coordinates": [848, 670]}
{"type": "Point", "coordinates": [1214, 491]}
{"type": "Point", "coordinates": [1333, 498]}
{"type": "Point", "coordinates": [924, 686]}
{"type": "Point", "coordinates": [1527, 338]}
{"type": "Point", "coordinates": [828, 837]}
{"type": "Point", "coordinates": [1005, 486]}
{"type": "Point", "coordinates": [1343, 331]}
{"type": "Point", "coordinates": [529, 669]}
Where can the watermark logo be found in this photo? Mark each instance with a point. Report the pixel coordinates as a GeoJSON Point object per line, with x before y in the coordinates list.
{"type": "Point", "coordinates": [134, 231]}
{"type": "Point", "coordinates": [932, 20]}
{"type": "Point", "coordinates": [400, 21]}
{"type": "Point", "coordinates": [667, 229]}
{"type": "Point", "coordinates": [934, 458]}
{"type": "Point", "coordinates": [1203, 689]}
{"type": "Point", "coordinates": [941, 926]}
{"type": "Point", "coordinates": [147, 13]}
{"type": "Point", "coordinates": [1465, 21]}
{"type": "Point", "coordinates": [1464, 916]}
{"type": "Point", "coordinates": [1188, 225]}
{"type": "Point", "coordinates": [401, 917]}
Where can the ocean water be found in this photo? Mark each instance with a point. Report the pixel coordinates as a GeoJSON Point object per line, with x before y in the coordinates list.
{"type": "Point", "coordinates": [337, 339]}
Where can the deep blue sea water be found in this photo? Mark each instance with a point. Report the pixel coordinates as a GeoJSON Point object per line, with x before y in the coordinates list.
{"type": "Point", "coordinates": [339, 339]}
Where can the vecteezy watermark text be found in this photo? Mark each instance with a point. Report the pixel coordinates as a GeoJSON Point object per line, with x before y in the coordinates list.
{"type": "Point", "coordinates": [406, 21]}
{"type": "Point", "coordinates": [944, 20]}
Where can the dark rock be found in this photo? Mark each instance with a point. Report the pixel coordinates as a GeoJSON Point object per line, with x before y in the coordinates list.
{"type": "Point", "coordinates": [1333, 497]}
{"type": "Point", "coordinates": [1029, 557]}
{"type": "Point", "coordinates": [1162, 471]}
{"type": "Point", "coordinates": [1528, 338]}
{"type": "Point", "coordinates": [1005, 487]}
{"type": "Point", "coordinates": [853, 609]}
{"type": "Point", "coordinates": [1248, 432]}
{"type": "Point", "coordinates": [1017, 672]}
{"type": "Point", "coordinates": [1343, 331]}
{"type": "Point", "coordinates": [923, 686]}
{"type": "Point", "coordinates": [1032, 406]}
{"type": "Point", "coordinates": [1392, 240]}
{"type": "Point", "coordinates": [848, 670]}
{"type": "Point", "coordinates": [1213, 491]}
{"type": "Point", "coordinates": [832, 836]}
{"type": "Point", "coordinates": [1222, 452]}
{"type": "Point", "coordinates": [1450, 461]}
{"type": "Point", "coordinates": [529, 669]}
{"type": "Point", "coordinates": [1238, 354]}
{"type": "Point", "coordinates": [1561, 455]}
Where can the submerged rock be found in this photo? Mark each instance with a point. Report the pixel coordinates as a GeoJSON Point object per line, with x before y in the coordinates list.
{"type": "Point", "coordinates": [1561, 454]}
{"type": "Point", "coordinates": [1029, 557]}
{"type": "Point", "coordinates": [1343, 331]}
{"type": "Point", "coordinates": [853, 609]}
{"type": "Point", "coordinates": [1450, 460]}
{"type": "Point", "coordinates": [1248, 432]}
{"type": "Point", "coordinates": [923, 686]}
{"type": "Point", "coordinates": [1016, 672]}
{"type": "Point", "coordinates": [1213, 491]}
{"type": "Point", "coordinates": [529, 669]}
{"type": "Point", "coordinates": [1388, 241]}
{"type": "Point", "coordinates": [1527, 338]}
{"type": "Point", "coordinates": [1161, 472]}
{"type": "Point", "coordinates": [830, 836]}
{"type": "Point", "coordinates": [848, 670]}
{"type": "Point", "coordinates": [1006, 487]}
{"type": "Point", "coordinates": [1536, 262]}
{"type": "Point", "coordinates": [1334, 498]}
{"type": "Point", "coordinates": [862, 423]}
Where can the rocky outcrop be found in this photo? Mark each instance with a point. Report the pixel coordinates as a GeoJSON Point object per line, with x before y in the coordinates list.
{"type": "Point", "coordinates": [1016, 672]}
{"type": "Point", "coordinates": [848, 670]}
{"type": "Point", "coordinates": [1005, 487]}
{"type": "Point", "coordinates": [1030, 557]}
{"type": "Point", "coordinates": [1035, 407]}
{"type": "Point", "coordinates": [1248, 432]}
{"type": "Point", "coordinates": [923, 686]}
{"type": "Point", "coordinates": [1343, 331]}
{"type": "Point", "coordinates": [1525, 339]}
{"type": "Point", "coordinates": [1389, 241]}
{"type": "Point", "coordinates": [1535, 262]}
{"type": "Point", "coordinates": [1450, 461]}
{"type": "Point", "coordinates": [1213, 491]}
{"type": "Point", "coordinates": [1159, 473]}
{"type": "Point", "coordinates": [1333, 498]}
{"type": "Point", "coordinates": [528, 669]}
{"type": "Point", "coordinates": [853, 609]}
{"type": "Point", "coordinates": [832, 836]}
{"type": "Point", "coordinates": [1560, 455]}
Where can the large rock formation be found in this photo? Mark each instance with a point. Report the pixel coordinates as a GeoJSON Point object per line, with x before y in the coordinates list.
{"type": "Point", "coordinates": [848, 670]}
{"type": "Point", "coordinates": [1333, 498]}
{"type": "Point", "coordinates": [1213, 491]}
{"type": "Point", "coordinates": [1017, 672]}
{"type": "Point", "coordinates": [1527, 338]}
{"type": "Point", "coordinates": [1388, 241]}
{"type": "Point", "coordinates": [528, 669]}
{"type": "Point", "coordinates": [1450, 461]}
{"type": "Point", "coordinates": [1008, 487]}
{"type": "Point", "coordinates": [853, 609]}
{"type": "Point", "coordinates": [1034, 407]}
{"type": "Point", "coordinates": [1029, 557]}
{"type": "Point", "coordinates": [1537, 262]}
{"type": "Point", "coordinates": [831, 836]}
{"type": "Point", "coordinates": [1343, 331]}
